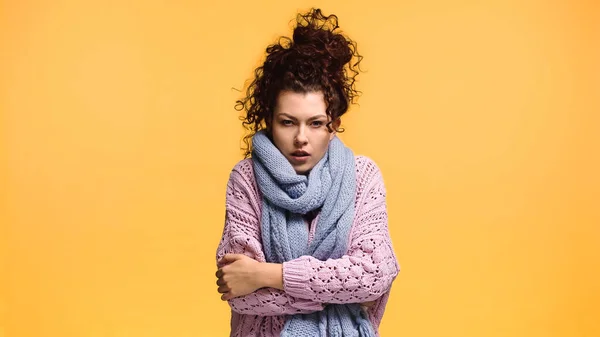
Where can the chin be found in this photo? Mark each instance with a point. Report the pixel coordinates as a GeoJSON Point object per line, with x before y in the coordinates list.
{"type": "Point", "coordinates": [301, 171]}
{"type": "Point", "coordinates": [304, 169]}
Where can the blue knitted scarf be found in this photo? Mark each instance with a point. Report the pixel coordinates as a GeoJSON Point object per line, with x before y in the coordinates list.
{"type": "Point", "coordinates": [286, 197]}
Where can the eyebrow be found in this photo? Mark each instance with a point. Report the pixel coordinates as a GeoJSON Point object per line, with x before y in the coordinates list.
{"type": "Point", "coordinates": [294, 118]}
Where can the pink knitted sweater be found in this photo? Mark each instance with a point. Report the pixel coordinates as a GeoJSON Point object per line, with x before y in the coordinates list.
{"type": "Point", "coordinates": [364, 274]}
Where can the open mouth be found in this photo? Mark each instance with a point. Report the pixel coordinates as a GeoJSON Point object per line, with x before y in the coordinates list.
{"type": "Point", "coordinates": [300, 154]}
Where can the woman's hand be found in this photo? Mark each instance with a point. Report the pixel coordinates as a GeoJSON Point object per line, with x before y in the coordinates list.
{"type": "Point", "coordinates": [238, 276]}
{"type": "Point", "coordinates": [242, 275]}
{"type": "Point", "coordinates": [367, 305]}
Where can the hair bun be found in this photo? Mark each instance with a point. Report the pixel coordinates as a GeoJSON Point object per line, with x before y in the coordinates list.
{"type": "Point", "coordinates": [316, 34]}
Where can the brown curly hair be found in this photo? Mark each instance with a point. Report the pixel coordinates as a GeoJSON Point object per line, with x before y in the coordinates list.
{"type": "Point", "coordinates": [317, 58]}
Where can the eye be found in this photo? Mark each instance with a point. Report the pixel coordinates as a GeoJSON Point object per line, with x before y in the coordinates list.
{"type": "Point", "coordinates": [286, 122]}
{"type": "Point", "coordinates": [317, 124]}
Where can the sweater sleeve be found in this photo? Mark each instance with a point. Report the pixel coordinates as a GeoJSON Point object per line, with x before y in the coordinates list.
{"type": "Point", "coordinates": [367, 271]}
{"type": "Point", "coordinates": [241, 235]}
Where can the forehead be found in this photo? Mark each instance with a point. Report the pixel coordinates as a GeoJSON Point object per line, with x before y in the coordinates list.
{"type": "Point", "coordinates": [301, 105]}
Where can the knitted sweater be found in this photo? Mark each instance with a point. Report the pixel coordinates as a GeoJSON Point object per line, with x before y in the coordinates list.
{"type": "Point", "coordinates": [364, 274]}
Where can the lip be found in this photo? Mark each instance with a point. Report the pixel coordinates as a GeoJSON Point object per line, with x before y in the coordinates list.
{"type": "Point", "coordinates": [300, 153]}
{"type": "Point", "coordinates": [300, 156]}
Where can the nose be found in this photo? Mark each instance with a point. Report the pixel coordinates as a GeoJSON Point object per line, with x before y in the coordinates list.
{"type": "Point", "coordinates": [301, 138]}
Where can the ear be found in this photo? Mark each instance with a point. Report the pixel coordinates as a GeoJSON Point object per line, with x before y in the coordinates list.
{"type": "Point", "coordinates": [269, 125]}
{"type": "Point", "coordinates": [335, 125]}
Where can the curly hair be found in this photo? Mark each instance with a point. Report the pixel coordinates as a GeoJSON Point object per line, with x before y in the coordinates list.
{"type": "Point", "coordinates": [317, 58]}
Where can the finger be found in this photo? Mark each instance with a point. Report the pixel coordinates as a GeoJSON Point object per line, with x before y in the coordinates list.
{"type": "Point", "coordinates": [225, 297]}
{"type": "Point", "coordinates": [221, 282]}
{"type": "Point", "coordinates": [223, 289]}
{"type": "Point", "coordinates": [229, 258]}
{"type": "Point", "coordinates": [368, 304]}
{"type": "Point", "coordinates": [219, 273]}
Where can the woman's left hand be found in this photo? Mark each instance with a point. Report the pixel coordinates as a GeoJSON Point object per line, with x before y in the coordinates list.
{"type": "Point", "coordinates": [239, 276]}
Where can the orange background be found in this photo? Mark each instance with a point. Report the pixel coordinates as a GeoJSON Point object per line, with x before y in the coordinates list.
{"type": "Point", "coordinates": [118, 134]}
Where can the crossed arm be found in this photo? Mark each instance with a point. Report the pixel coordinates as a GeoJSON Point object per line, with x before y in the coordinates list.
{"type": "Point", "coordinates": [304, 285]}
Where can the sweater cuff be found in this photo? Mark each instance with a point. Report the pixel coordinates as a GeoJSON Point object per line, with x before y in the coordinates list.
{"type": "Point", "coordinates": [296, 277]}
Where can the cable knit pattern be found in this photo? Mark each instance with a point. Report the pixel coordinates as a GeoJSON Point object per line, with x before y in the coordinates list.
{"type": "Point", "coordinates": [364, 274]}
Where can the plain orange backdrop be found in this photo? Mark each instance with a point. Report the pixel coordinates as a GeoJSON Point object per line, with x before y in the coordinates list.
{"type": "Point", "coordinates": [118, 134]}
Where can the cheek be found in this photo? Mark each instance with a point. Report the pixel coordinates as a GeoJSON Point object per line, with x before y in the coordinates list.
{"type": "Point", "coordinates": [323, 144]}
{"type": "Point", "coordinates": [280, 137]}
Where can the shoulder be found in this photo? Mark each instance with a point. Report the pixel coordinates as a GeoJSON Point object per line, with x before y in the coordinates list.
{"type": "Point", "coordinates": [370, 189]}
{"type": "Point", "coordinates": [242, 176]}
{"type": "Point", "coordinates": [242, 191]}
{"type": "Point", "coordinates": [244, 169]}
{"type": "Point", "coordinates": [366, 169]}
{"type": "Point", "coordinates": [370, 192]}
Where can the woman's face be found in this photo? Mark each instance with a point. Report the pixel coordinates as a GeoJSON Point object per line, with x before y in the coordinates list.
{"type": "Point", "coordinates": [299, 128]}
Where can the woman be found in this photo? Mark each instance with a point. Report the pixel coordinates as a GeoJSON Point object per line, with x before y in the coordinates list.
{"type": "Point", "coordinates": [305, 249]}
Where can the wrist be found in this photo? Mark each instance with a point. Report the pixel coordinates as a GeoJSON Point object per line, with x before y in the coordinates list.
{"type": "Point", "coordinates": [271, 275]}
